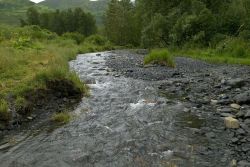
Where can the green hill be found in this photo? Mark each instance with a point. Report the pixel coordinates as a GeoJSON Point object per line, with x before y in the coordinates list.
{"type": "Point", "coordinates": [97, 8]}
{"type": "Point", "coordinates": [13, 10]}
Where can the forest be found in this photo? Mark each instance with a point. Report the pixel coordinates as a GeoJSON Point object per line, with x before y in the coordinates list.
{"type": "Point", "coordinates": [219, 28]}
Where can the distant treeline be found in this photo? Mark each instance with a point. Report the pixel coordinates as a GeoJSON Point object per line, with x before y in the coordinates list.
{"type": "Point", "coordinates": [62, 21]}
{"type": "Point", "coordinates": [160, 23]}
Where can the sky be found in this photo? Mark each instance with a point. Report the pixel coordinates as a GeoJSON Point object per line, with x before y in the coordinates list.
{"type": "Point", "coordinates": [36, 1]}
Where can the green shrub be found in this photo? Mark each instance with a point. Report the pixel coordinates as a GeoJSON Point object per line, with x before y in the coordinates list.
{"type": "Point", "coordinates": [76, 36]}
{"type": "Point", "coordinates": [4, 112]}
{"type": "Point", "coordinates": [96, 40]}
{"type": "Point", "coordinates": [160, 56]}
{"type": "Point", "coordinates": [62, 117]}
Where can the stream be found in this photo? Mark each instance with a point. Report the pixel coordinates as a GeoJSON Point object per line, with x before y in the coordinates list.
{"type": "Point", "coordinates": [125, 122]}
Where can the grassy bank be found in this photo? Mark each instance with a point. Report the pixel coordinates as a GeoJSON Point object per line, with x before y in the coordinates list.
{"type": "Point", "coordinates": [30, 58]}
{"type": "Point", "coordinates": [229, 51]}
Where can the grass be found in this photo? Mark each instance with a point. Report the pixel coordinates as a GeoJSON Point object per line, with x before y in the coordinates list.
{"type": "Point", "coordinates": [161, 57]}
{"type": "Point", "coordinates": [4, 112]}
{"type": "Point", "coordinates": [61, 118]}
{"type": "Point", "coordinates": [232, 50]}
{"type": "Point", "coordinates": [30, 57]}
{"type": "Point", "coordinates": [212, 56]}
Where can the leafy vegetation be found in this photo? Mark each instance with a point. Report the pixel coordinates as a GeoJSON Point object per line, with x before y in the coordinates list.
{"type": "Point", "coordinates": [160, 56]}
{"type": "Point", "coordinates": [32, 57]}
{"type": "Point", "coordinates": [97, 8]}
{"type": "Point", "coordinates": [62, 21]}
{"type": "Point", "coordinates": [219, 29]}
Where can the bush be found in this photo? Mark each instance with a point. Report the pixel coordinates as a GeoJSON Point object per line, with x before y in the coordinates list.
{"type": "Point", "coordinates": [4, 112]}
{"type": "Point", "coordinates": [96, 40]}
{"type": "Point", "coordinates": [76, 36]}
{"type": "Point", "coordinates": [160, 56]}
{"type": "Point", "coordinates": [62, 117]}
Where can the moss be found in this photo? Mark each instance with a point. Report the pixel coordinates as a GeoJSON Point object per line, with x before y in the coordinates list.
{"type": "Point", "coordinates": [5, 115]}
{"type": "Point", "coordinates": [160, 56]}
{"type": "Point", "coordinates": [62, 117]}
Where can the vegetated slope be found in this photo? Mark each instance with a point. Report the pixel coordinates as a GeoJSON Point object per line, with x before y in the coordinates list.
{"type": "Point", "coordinates": [97, 8]}
{"type": "Point", "coordinates": [13, 10]}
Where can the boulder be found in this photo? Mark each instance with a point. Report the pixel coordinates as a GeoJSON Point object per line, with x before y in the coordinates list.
{"type": "Point", "coordinates": [231, 123]}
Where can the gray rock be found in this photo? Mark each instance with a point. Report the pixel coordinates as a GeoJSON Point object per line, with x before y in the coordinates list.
{"type": "Point", "coordinates": [240, 131]}
{"type": "Point", "coordinates": [226, 115]}
{"type": "Point", "coordinates": [235, 106]}
{"type": "Point", "coordinates": [235, 83]}
{"type": "Point", "coordinates": [210, 135]}
{"type": "Point", "coordinates": [225, 110]}
{"type": "Point", "coordinates": [243, 98]}
{"type": "Point", "coordinates": [247, 115]}
{"type": "Point", "coordinates": [243, 164]}
{"type": "Point", "coordinates": [240, 114]}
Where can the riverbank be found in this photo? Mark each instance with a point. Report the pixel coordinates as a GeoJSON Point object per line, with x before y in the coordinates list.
{"type": "Point", "coordinates": [211, 91]}
{"type": "Point", "coordinates": [35, 79]}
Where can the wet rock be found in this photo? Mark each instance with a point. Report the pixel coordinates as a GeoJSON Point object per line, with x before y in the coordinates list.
{"type": "Point", "coordinates": [235, 106]}
{"type": "Point", "coordinates": [98, 54]}
{"type": "Point", "coordinates": [231, 123]}
{"type": "Point", "coordinates": [243, 98]}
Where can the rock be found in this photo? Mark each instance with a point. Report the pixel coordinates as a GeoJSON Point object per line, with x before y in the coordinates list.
{"type": "Point", "coordinates": [240, 131]}
{"type": "Point", "coordinates": [117, 75]}
{"type": "Point", "coordinates": [234, 140]}
{"type": "Point", "coordinates": [243, 98]}
{"type": "Point", "coordinates": [210, 135]}
{"type": "Point", "coordinates": [226, 115]}
{"type": "Point", "coordinates": [247, 115]}
{"type": "Point", "coordinates": [235, 83]}
{"type": "Point", "coordinates": [233, 163]}
{"type": "Point", "coordinates": [225, 110]}
{"type": "Point", "coordinates": [30, 118]}
{"type": "Point", "coordinates": [235, 106]}
{"type": "Point", "coordinates": [240, 114]}
{"type": "Point", "coordinates": [231, 123]}
{"type": "Point", "coordinates": [243, 164]}
{"type": "Point", "coordinates": [214, 102]}
{"type": "Point", "coordinates": [98, 54]}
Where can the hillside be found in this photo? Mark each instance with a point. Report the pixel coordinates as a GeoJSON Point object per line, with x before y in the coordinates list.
{"type": "Point", "coordinates": [97, 8]}
{"type": "Point", "coordinates": [12, 10]}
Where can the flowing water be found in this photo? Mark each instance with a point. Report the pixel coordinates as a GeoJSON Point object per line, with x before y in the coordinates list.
{"type": "Point", "coordinates": [123, 123]}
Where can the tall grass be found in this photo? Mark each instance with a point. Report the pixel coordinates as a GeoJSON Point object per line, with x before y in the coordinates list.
{"type": "Point", "coordinates": [160, 56]}
{"type": "Point", "coordinates": [228, 51]}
